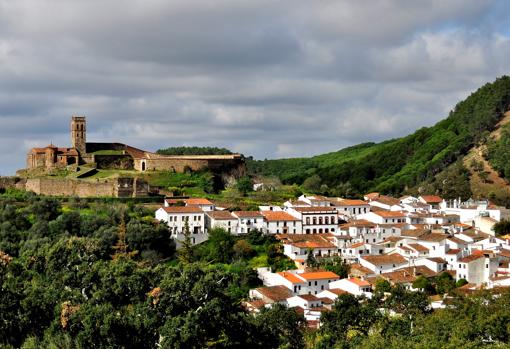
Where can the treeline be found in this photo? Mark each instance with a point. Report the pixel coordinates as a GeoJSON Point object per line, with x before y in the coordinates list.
{"type": "Point", "coordinates": [194, 151]}
{"type": "Point", "coordinates": [467, 322]}
{"type": "Point", "coordinates": [498, 153]}
{"type": "Point", "coordinates": [393, 166]}
{"type": "Point", "coordinates": [90, 275]}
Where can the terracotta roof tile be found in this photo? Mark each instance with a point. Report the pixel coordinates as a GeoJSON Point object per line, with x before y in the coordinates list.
{"type": "Point", "coordinates": [385, 259]}
{"type": "Point", "coordinates": [183, 209]}
{"type": "Point", "coordinates": [278, 216]}
{"type": "Point", "coordinates": [319, 275]}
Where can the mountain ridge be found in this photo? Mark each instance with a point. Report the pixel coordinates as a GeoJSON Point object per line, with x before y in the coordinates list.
{"type": "Point", "coordinates": [403, 164]}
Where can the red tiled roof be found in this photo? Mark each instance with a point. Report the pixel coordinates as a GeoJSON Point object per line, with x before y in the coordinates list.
{"type": "Point", "coordinates": [359, 282]}
{"type": "Point", "coordinates": [183, 209]}
{"type": "Point", "coordinates": [275, 293]}
{"type": "Point", "coordinates": [198, 201]}
{"type": "Point", "coordinates": [385, 259]}
{"type": "Point", "coordinates": [471, 258]}
{"type": "Point", "coordinates": [319, 275]}
{"type": "Point", "coordinates": [275, 216]}
{"type": "Point", "coordinates": [247, 214]}
{"type": "Point", "coordinates": [315, 209]}
{"type": "Point", "coordinates": [431, 199]}
{"type": "Point", "coordinates": [291, 277]}
{"type": "Point", "coordinates": [220, 215]}
{"type": "Point", "coordinates": [391, 214]}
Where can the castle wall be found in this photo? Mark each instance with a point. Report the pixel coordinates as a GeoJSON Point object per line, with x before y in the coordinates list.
{"type": "Point", "coordinates": [180, 164]}
{"type": "Point", "coordinates": [68, 187]}
{"type": "Point", "coordinates": [120, 187]}
{"type": "Point", "coordinates": [12, 183]}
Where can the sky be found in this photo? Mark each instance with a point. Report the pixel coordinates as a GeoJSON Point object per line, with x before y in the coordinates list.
{"type": "Point", "coordinates": [270, 79]}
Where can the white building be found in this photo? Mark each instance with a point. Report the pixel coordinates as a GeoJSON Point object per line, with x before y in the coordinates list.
{"type": "Point", "coordinates": [353, 286]}
{"type": "Point", "coordinates": [280, 222]}
{"type": "Point", "coordinates": [222, 219]}
{"type": "Point", "coordinates": [471, 209]}
{"type": "Point", "coordinates": [385, 217]}
{"type": "Point", "coordinates": [308, 282]}
{"type": "Point", "coordinates": [350, 209]}
{"type": "Point", "coordinates": [249, 220]}
{"type": "Point", "coordinates": [316, 219]}
{"type": "Point", "coordinates": [177, 216]}
{"type": "Point", "coordinates": [383, 263]}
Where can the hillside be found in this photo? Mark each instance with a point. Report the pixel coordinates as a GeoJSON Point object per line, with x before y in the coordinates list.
{"type": "Point", "coordinates": [404, 164]}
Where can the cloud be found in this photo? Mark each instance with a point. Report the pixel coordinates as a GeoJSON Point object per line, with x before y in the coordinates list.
{"type": "Point", "coordinates": [269, 79]}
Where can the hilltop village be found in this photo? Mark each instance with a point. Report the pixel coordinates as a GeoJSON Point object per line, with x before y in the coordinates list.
{"type": "Point", "coordinates": [399, 240]}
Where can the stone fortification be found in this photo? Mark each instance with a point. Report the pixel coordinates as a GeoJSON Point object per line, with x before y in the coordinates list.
{"type": "Point", "coordinates": [118, 187]}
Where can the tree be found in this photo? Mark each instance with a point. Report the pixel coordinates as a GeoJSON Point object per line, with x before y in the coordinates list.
{"type": "Point", "coordinates": [502, 227]}
{"type": "Point", "coordinates": [461, 282]}
{"type": "Point", "coordinates": [351, 316]}
{"type": "Point", "coordinates": [423, 284]}
{"type": "Point", "coordinates": [186, 252]}
{"type": "Point", "coordinates": [244, 185]}
{"type": "Point", "coordinates": [283, 327]}
{"type": "Point", "coordinates": [382, 285]}
{"type": "Point", "coordinates": [121, 247]}
{"type": "Point", "coordinates": [312, 184]}
{"type": "Point", "coordinates": [311, 261]}
{"type": "Point", "coordinates": [444, 283]}
{"type": "Point", "coordinates": [337, 266]}
{"type": "Point", "coordinates": [242, 249]}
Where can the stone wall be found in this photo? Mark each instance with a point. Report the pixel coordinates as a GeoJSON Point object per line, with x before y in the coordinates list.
{"type": "Point", "coordinates": [120, 187]}
{"type": "Point", "coordinates": [220, 165]}
{"type": "Point", "coordinates": [69, 187]}
{"type": "Point", "coordinates": [12, 183]}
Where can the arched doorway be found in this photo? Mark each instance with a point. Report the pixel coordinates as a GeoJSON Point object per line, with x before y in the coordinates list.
{"type": "Point", "coordinates": [143, 166]}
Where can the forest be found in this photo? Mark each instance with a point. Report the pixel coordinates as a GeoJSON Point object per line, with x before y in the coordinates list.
{"type": "Point", "coordinates": [194, 151]}
{"type": "Point", "coordinates": [77, 274]}
{"type": "Point", "coordinates": [394, 166]}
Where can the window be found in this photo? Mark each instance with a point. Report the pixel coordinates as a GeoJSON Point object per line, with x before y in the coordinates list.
{"type": "Point", "coordinates": [307, 220]}
{"type": "Point", "coordinates": [309, 283]}
{"type": "Point", "coordinates": [315, 283]}
{"type": "Point", "coordinates": [326, 220]}
{"type": "Point", "coordinates": [314, 220]}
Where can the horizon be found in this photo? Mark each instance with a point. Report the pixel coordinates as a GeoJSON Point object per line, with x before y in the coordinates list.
{"type": "Point", "coordinates": [272, 81]}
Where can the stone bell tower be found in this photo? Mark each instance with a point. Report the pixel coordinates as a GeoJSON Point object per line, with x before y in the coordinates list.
{"type": "Point", "coordinates": [79, 133]}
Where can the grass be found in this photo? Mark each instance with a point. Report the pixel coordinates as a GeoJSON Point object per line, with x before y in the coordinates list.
{"type": "Point", "coordinates": [104, 174]}
{"type": "Point", "coordinates": [109, 152]}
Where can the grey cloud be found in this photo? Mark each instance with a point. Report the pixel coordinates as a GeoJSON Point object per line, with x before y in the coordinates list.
{"type": "Point", "coordinates": [269, 79]}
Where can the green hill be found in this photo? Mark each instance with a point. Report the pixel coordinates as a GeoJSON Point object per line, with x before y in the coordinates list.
{"type": "Point", "coordinates": [398, 165]}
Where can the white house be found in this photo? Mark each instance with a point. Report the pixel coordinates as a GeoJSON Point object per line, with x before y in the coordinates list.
{"type": "Point", "coordinates": [280, 222]}
{"type": "Point", "coordinates": [308, 282]}
{"type": "Point", "coordinates": [433, 200]}
{"type": "Point", "coordinates": [316, 219]}
{"type": "Point", "coordinates": [349, 209]}
{"type": "Point", "coordinates": [305, 301]}
{"type": "Point", "coordinates": [249, 220]}
{"type": "Point", "coordinates": [221, 219]}
{"type": "Point", "coordinates": [383, 263]}
{"type": "Point", "coordinates": [471, 209]}
{"type": "Point", "coordinates": [177, 216]}
{"type": "Point", "coordinates": [385, 217]}
{"type": "Point", "coordinates": [296, 247]}
{"type": "Point", "coordinates": [353, 286]}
